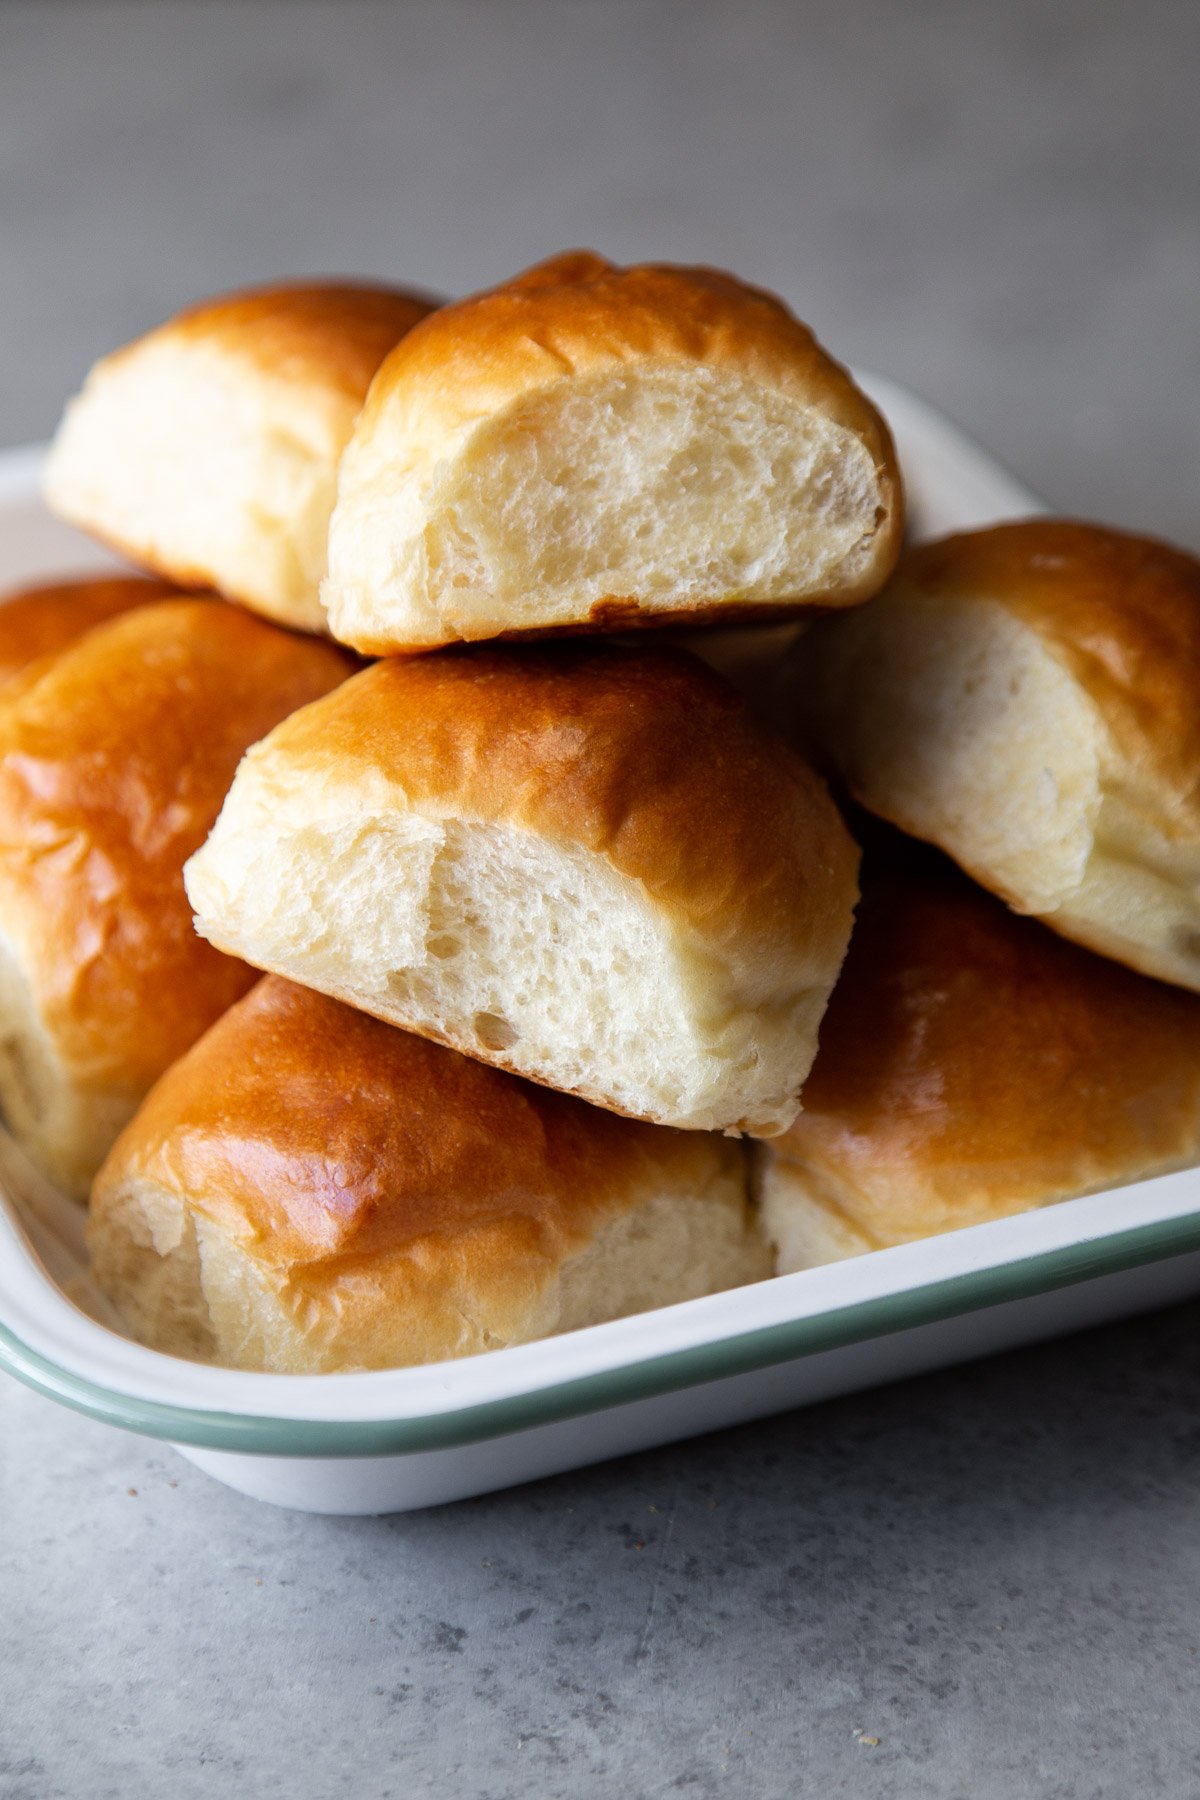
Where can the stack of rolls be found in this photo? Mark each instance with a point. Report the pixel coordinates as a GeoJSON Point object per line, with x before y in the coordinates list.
{"type": "Point", "coordinates": [548, 929]}
{"type": "Point", "coordinates": [1022, 698]}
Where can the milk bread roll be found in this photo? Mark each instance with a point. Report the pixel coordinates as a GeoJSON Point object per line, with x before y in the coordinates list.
{"type": "Point", "coordinates": [594, 448]}
{"type": "Point", "coordinates": [973, 1064]}
{"type": "Point", "coordinates": [1026, 698]}
{"type": "Point", "coordinates": [115, 756]}
{"type": "Point", "coordinates": [311, 1190]}
{"type": "Point", "coordinates": [583, 863]}
{"type": "Point", "coordinates": [208, 449]}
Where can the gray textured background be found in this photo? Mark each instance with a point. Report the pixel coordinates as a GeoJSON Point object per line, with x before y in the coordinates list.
{"type": "Point", "coordinates": [996, 1571]}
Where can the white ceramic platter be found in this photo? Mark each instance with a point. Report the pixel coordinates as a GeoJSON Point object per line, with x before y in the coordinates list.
{"type": "Point", "coordinates": [392, 1440]}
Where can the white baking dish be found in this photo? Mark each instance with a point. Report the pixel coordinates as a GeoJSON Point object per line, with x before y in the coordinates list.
{"type": "Point", "coordinates": [403, 1438]}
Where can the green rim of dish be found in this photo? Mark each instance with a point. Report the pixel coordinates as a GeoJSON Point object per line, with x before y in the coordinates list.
{"type": "Point", "coordinates": [786, 1341]}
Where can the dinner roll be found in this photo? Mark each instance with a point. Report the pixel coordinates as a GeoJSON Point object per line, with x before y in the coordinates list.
{"type": "Point", "coordinates": [974, 1065]}
{"type": "Point", "coordinates": [208, 449]}
{"type": "Point", "coordinates": [590, 448]}
{"type": "Point", "coordinates": [1026, 697]}
{"type": "Point", "coordinates": [585, 864]}
{"type": "Point", "coordinates": [311, 1190]}
{"type": "Point", "coordinates": [37, 621]}
{"type": "Point", "coordinates": [115, 756]}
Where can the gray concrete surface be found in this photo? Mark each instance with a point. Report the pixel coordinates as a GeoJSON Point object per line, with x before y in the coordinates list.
{"type": "Point", "coordinates": [995, 1572]}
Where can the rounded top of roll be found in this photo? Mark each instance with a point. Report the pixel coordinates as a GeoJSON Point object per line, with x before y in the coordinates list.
{"type": "Point", "coordinates": [974, 1064]}
{"type": "Point", "coordinates": [577, 313]}
{"type": "Point", "coordinates": [312, 1134]}
{"type": "Point", "coordinates": [644, 757]}
{"type": "Point", "coordinates": [37, 621]}
{"type": "Point", "coordinates": [1122, 612]}
{"type": "Point", "coordinates": [329, 334]}
{"type": "Point", "coordinates": [115, 756]}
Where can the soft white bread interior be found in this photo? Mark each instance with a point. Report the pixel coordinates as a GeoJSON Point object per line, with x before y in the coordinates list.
{"type": "Point", "coordinates": [311, 1190]}
{"type": "Point", "coordinates": [208, 449]}
{"type": "Point", "coordinates": [590, 447]}
{"type": "Point", "coordinates": [1026, 698]}
{"type": "Point", "coordinates": [588, 865]}
{"type": "Point", "coordinates": [972, 1065]}
{"type": "Point", "coordinates": [115, 756]}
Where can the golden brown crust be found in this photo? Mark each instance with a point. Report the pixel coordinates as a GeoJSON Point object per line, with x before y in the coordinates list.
{"type": "Point", "coordinates": [644, 757]}
{"type": "Point", "coordinates": [579, 312]}
{"type": "Point", "coordinates": [37, 621]}
{"type": "Point", "coordinates": [973, 1064]}
{"type": "Point", "coordinates": [312, 1136]}
{"type": "Point", "coordinates": [1122, 612]}
{"type": "Point", "coordinates": [322, 333]}
{"type": "Point", "coordinates": [115, 757]}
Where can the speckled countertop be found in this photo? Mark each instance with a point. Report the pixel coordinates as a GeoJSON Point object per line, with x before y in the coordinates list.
{"type": "Point", "coordinates": [995, 1572]}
